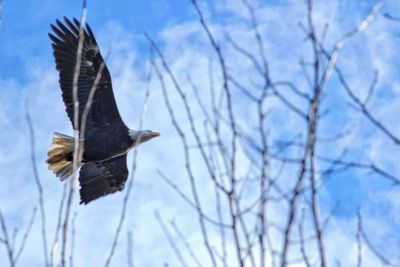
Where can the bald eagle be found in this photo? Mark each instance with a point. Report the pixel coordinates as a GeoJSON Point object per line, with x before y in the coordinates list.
{"type": "Point", "coordinates": [107, 139]}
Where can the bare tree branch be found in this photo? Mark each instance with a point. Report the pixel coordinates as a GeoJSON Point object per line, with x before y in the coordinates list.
{"type": "Point", "coordinates": [339, 45]}
{"type": "Point", "coordinates": [26, 235]}
{"type": "Point", "coordinates": [133, 171]}
{"type": "Point", "coordinates": [318, 86]}
{"type": "Point", "coordinates": [58, 226]}
{"type": "Point", "coordinates": [358, 237]}
{"type": "Point", "coordinates": [71, 252]}
{"type": "Point", "coordinates": [77, 135]}
{"type": "Point", "coordinates": [6, 241]}
{"type": "Point", "coordinates": [187, 245]}
{"type": "Point", "coordinates": [190, 202]}
{"type": "Point", "coordinates": [38, 184]}
{"type": "Point", "coordinates": [170, 240]}
{"type": "Point", "coordinates": [391, 17]}
{"type": "Point", "coordinates": [186, 154]}
{"type": "Point", "coordinates": [371, 247]}
{"type": "Point", "coordinates": [130, 249]}
{"type": "Point", "coordinates": [365, 111]}
{"type": "Point", "coordinates": [302, 243]}
{"type": "Point", "coordinates": [231, 193]}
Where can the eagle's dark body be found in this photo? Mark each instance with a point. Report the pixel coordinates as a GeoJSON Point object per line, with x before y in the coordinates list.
{"type": "Point", "coordinates": [106, 142]}
{"type": "Point", "coordinates": [107, 139]}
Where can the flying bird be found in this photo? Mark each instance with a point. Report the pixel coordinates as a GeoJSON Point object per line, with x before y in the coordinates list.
{"type": "Point", "coordinates": [107, 140]}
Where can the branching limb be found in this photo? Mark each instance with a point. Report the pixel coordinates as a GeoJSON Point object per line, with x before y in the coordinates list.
{"type": "Point", "coordinates": [365, 111]}
{"type": "Point", "coordinates": [339, 45]}
{"type": "Point", "coordinates": [58, 226]}
{"type": "Point", "coordinates": [71, 252]}
{"type": "Point", "coordinates": [170, 240]}
{"type": "Point", "coordinates": [358, 237]}
{"type": "Point", "coordinates": [232, 121]}
{"type": "Point", "coordinates": [38, 184]}
{"type": "Point", "coordinates": [77, 136]}
{"type": "Point", "coordinates": [371, 247]}
{"type": "Point", "coordinates": [26, 235]}
{"type": "Point", "coordinates": [302, 241]}
{"type": "Point", "coordinates": [132, 173]}
{"type": "Point", "coordinates": [187, 245]}
{"type": "Point", "coordinates": [392, 17]}
{"type": "Point", "coordinates": [188, 168]}
{"type": "Point", "coordinates": [7, 241]}
{"type": "Point", "coordinates": [130, 249]}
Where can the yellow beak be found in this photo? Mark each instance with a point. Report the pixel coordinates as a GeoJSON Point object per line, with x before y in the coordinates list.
{"type": "Point", "coordinates": [155, 134]}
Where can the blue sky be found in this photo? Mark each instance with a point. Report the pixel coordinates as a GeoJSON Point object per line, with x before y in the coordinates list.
{"type": "Point", "coordinates": [23, 18]}
{"type": "Point", "coordinates": [27, 73]}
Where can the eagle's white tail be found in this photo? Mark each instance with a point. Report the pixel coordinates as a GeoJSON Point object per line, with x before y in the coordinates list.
{"type": "Point", "coordinates": [60, 155]}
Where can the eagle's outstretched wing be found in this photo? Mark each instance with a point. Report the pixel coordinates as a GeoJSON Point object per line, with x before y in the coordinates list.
{"type": "Point", "coordinates": [101, 178]}
{"type": "Point", "coordinates": [65, 44]}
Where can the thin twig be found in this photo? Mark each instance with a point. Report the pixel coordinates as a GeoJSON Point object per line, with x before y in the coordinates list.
{"type": "Point", "coordinates": [71, 252]}
{"type": "Point", "coordinates": [187, 245]}
{"type": "Point", "coordinates": [391, 17]}
{"type": "Point", "coordinates": [186, 153]}
{"type": "Point", "coordinates": [132, 173]}
{"type": "Point", "coordinates": [372, 248]}
{"type": "Point", "coordinates": [302, 243]}
{"type": "Point", "coordinates": [232, 175]}
{"type": "Point", "coordinates": [129, 251]}
{"type": "Point", "coordinates": [77, 134]}
{"type": "Point", "coordinates": [365, 110]}
{"type": "Point", "coordinates": [358, 237]}
{"type": "Point", "coordinates": [38, 184]}
{"type": "Point", "coordinates": [190, 202]}
{"type": "Point", "coordinates": [339, 45]}
{"type": "Point", "coordinates": [58, 226]}
{"type": "Point", "coordinates": [26, 235]}
{"type": "Point", "coordinates": [7, 243]}
{"type": "Point", "coordinates": [170, 239]}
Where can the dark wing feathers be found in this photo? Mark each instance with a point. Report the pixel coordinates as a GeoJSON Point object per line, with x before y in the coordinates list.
{"type": "Point", "coordinates": [100, 178]}
{"type": "Point", "coordinates": [96, 178]}
{"type": "Point", "coordinates": [65, 38]}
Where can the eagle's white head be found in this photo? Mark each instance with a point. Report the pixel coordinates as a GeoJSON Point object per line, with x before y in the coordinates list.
{"type": "Point", "coordinates": [139, 137]}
